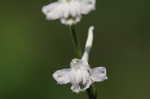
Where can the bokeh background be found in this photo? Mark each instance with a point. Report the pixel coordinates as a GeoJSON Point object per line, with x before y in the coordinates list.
{"type": "Point", "coordinates": [32, 48]}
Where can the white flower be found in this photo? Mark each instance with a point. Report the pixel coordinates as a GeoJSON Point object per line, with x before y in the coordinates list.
{"type": "Point", "coordinates": [68, 11]}
{"type": "Point", "coordinates": [80, 75]}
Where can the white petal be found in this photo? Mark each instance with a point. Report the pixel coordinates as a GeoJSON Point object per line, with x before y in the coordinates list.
{"type": "Point", "coordinates": [64, 8]}
{"type": "Point", "coordinates": [87, 6]}
{"type": "Point", "coordinates": [62, 76]}
{"type": "Point", "coordinates": [74, 9]}
{"type": "Point", "coordinates": [51, 11]}
{"type": "Point", "coordinates": [48, 8]}
{"type": "Point", "coordinates": [99, 74]}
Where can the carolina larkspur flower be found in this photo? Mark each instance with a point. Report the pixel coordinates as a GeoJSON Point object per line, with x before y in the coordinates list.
{"type": "Point", "coordinates": [80, 74]}
{"type": "Point", "coordinates": [68, 11]}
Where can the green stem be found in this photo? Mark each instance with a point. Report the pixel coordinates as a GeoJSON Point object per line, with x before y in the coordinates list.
{"type": "Point", "coordinates": [91, 92]}
{"type": "Point", "coordinates": [77, 46]}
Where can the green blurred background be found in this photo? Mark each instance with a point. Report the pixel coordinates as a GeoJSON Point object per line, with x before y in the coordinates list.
{"type": "Point", "coordinates": [32, 48]}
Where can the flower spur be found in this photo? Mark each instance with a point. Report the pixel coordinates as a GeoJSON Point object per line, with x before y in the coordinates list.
{"type": "Point", "coordinates": [80, 74]}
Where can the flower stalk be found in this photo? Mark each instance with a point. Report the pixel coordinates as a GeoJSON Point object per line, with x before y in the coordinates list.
{"type": "Point", "coordinates": [76, 42]}
{"type": "Point", "coordinates": [91, 92]}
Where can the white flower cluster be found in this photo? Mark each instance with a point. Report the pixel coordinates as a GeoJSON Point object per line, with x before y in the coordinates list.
{"type": "Point", "coordinates": [68, 11]}
{"type": "Point", "coordinates": [80, 74]}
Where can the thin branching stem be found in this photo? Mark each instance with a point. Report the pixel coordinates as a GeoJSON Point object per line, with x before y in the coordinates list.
{"type": "Point", "coordinates": [91, 92]}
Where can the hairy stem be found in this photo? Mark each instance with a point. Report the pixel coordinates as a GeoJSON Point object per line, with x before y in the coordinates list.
{"type": "Point", "coordinates": [91, 92]}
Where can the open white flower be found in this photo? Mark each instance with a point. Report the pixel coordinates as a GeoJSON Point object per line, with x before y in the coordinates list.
{"type": "Point", "coordinates": [68, 11]}
{"type": "Point", "coordinates": [80, 75]}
